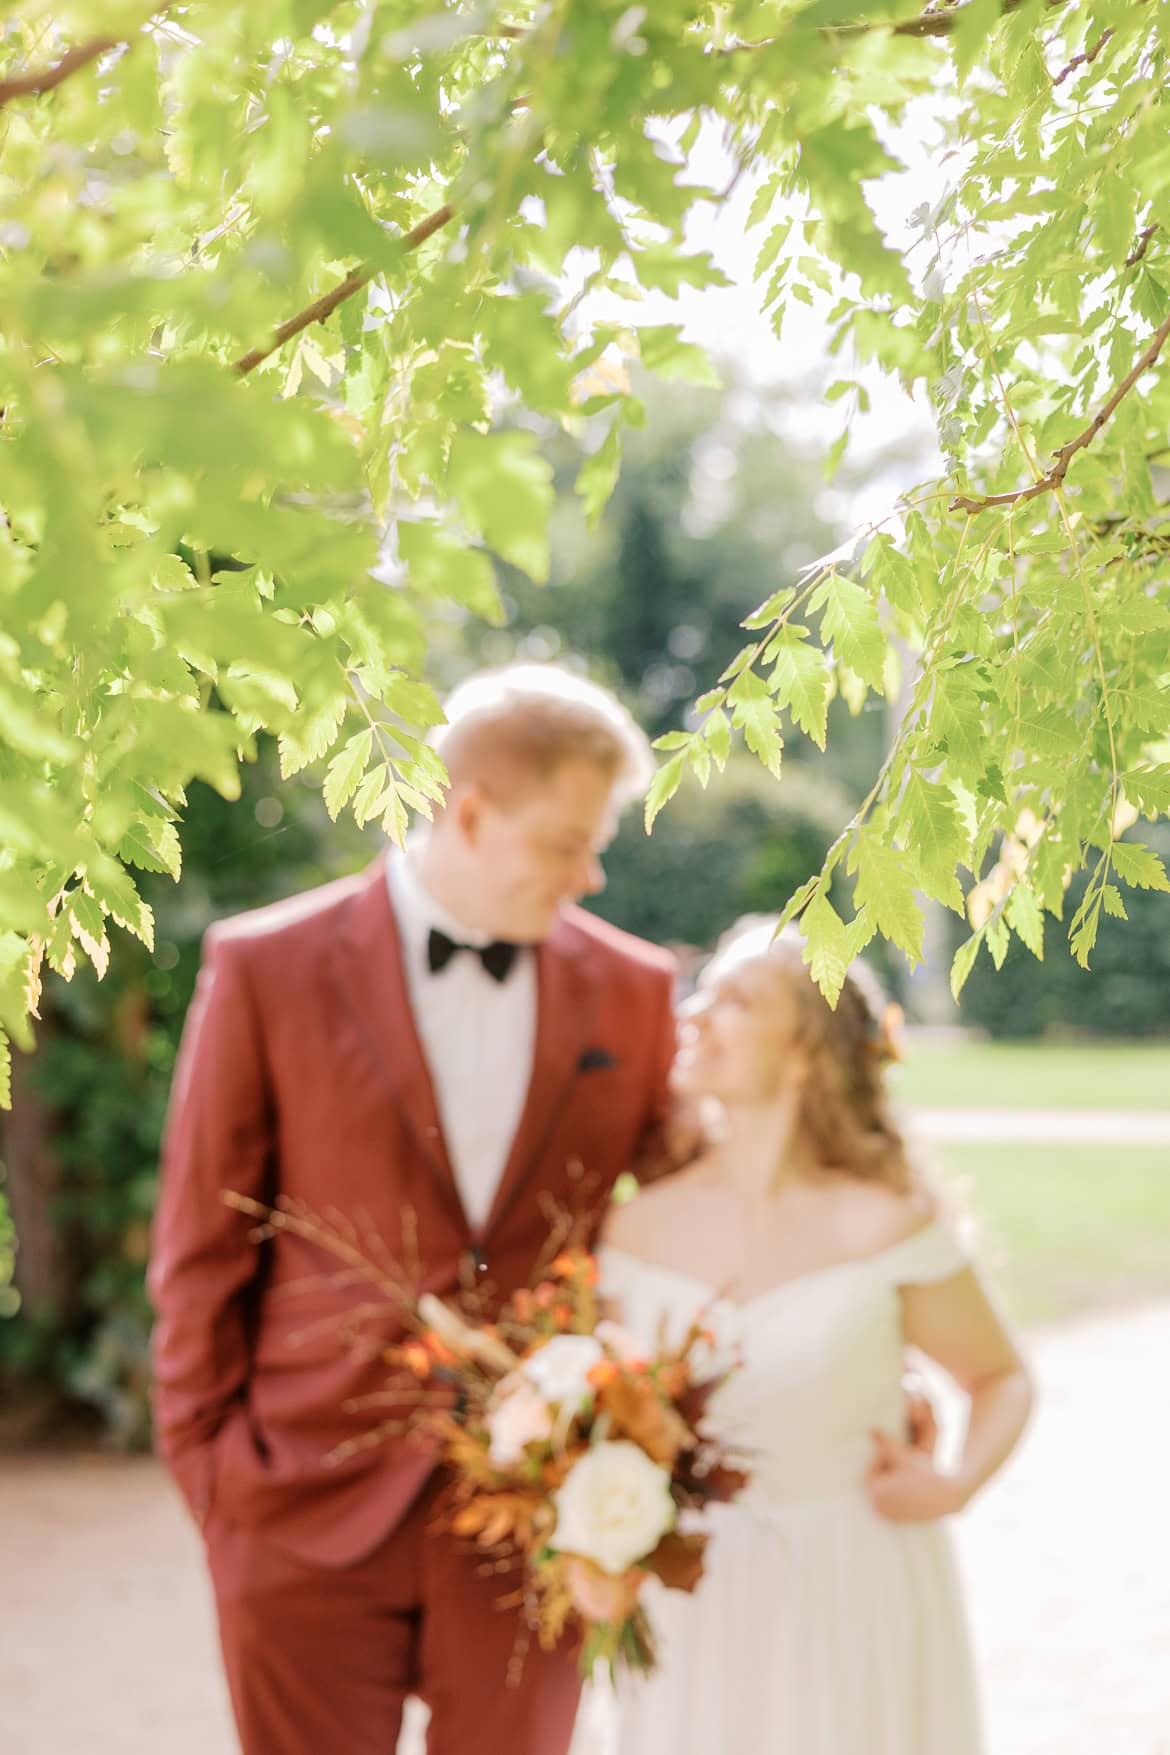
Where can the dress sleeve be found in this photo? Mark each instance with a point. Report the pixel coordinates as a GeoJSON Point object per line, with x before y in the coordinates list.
{"type": "Point", "coordinates": [936, 1252]}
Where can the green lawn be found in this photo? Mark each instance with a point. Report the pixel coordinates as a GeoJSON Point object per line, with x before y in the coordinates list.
{"type": "Point", "coordinates": [1066, 1229]}
{"type": "Point", "coordinates": [1000, 1075]}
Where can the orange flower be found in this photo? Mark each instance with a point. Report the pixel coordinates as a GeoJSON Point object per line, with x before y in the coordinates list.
{"type": "Point", "coordinates": [565, 1266]}
{"type": "Point", "coordinates": [604, 1373]}
{"type": "Point", "coordinates": [416, 1358]}
{"type": "Point", "coordinates": [544, 1296]}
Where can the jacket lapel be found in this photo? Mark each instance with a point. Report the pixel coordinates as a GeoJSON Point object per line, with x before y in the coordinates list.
{"type": "Point", "coordinates": [565, 1003]}
{"type": "Point", "coordinates": [374, 984]}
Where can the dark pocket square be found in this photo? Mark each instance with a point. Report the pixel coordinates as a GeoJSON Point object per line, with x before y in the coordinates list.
{"type": "Point", "coordinates": [595, 1059]}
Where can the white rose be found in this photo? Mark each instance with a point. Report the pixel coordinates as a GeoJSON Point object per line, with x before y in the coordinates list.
{"type": "Point", "coordinates": [614, 1506]}
{"type": "Point", "coordinates": [560, 1370]}
{"type": "Point", "coordinates": [519, 1416]}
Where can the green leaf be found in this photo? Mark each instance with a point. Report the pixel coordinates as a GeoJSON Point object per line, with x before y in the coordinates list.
{"type": "Point", "coordinates": [345, 771]}
{"type": "Point", "coordinates": [973, 24]}
{"type": "Point", "coordinates": [315, 733]}
{"type": "Point", "coordinates": [503, 487]}
{"type": "Point", "coordinates": [89, 929]}
{"type": "Point", "coordinates": [936, 833]}
{"type": "Point", "coordinates": [800, 681]}
{"type": "Point", "coordinates": [1083, 934]}
{"type": "Point", "coordinates": [665, 269]}
{"type": "Point", "coordinates": [830, 945]}
{"type": "Point", "coordinates": [26, 727]}
{"type": "Point", "coordinates": [664, 786]}
{"type": "Point", "coordinates": [771, 609]}
{"type": "Point", "coordinates": [1138, 866]}
{"type": "Point", "coordinates": [998, 940]}
{"type": "Point", "coordinates": [717, 731]}
{"type": "Point", "coordinates": [440, 565]}
{"type": "Point", "coordinates": [597, 476]}
{"type": "Point", "coordinates": [115, 891]}
{"type": "Point", "coordinates": [963, 962]}
{"type": "Point", "coordinates": [152, 845]}
{"type": "Point", "coordinates": [885, 890]}
{"type": "Point", "coordinates": [754, 712]}
{"type": "Point", "coordinates": [1112, 899]}
{"type": "Point", "coordinates": [850, 621]}
{"type": "Point", "coordinates": [365, 799]}
{"type": "Point", "coordinates": [1024, 915]}
{"type": "Point", "coordinates": [1150, 787]}
{"type": "Point", "coordinates": [664, 352]}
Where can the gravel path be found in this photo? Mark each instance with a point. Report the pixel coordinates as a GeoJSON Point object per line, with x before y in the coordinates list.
{"type": "Point", "coordinates": [107, 1646]}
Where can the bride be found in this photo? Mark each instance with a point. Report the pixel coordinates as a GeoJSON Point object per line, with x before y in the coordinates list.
{"type": "Point", "coordinates": [830, 1620]}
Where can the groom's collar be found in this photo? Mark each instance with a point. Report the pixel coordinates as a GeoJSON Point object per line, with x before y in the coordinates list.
{"type": "Point", "coordinates": [417, 910]}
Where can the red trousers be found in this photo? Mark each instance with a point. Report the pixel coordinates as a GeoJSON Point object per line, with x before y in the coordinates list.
{"type": "Point", "coordinates": [320, 1660]}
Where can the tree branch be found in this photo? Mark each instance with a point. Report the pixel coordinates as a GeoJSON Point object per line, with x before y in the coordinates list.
{"type": "Point", "coordinates": [45, 78]}
{"type": "Point", "coordinates": [328, 302]}
{"type": "Point", "coordinates": [1064, 456]}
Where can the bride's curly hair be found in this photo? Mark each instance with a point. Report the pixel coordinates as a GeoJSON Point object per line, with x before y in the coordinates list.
{"type": "Point", "coordinates": [844, 1108]}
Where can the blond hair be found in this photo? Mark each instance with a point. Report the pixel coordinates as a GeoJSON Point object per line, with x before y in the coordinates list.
{"type": "Point", "coordinates": [510, 727]}
{"type": "Point", "coordinates": [844, 1109]}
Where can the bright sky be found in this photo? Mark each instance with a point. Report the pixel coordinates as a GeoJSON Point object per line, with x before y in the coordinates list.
{"type": "Point", "coordinates": [730, 323]}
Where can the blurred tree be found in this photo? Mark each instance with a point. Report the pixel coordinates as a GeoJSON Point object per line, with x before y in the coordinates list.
{"type": "Point", "coordinates": [712, 511]}
{"type": "Point", "coordinates": [740, 849]}
{"type": "Point", "coordinates": [79, 1149]}
{"type": "Point", "coordinates": [1125, 993]}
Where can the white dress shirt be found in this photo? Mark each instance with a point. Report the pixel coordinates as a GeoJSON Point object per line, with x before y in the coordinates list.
{"type": "Point", "coordinates": [478, 1036]}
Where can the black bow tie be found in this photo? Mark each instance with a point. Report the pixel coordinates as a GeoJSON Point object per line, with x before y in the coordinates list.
{"type": "Point", "coordinates": [496, 958]}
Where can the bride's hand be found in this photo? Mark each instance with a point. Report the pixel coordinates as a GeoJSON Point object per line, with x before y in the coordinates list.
{"type": "Point", "coordinates": [904, 1486]}
{"type": "Point", "coordinates": [921, 1419]}
{"type": "Point", "coordinates": [598, 1595]}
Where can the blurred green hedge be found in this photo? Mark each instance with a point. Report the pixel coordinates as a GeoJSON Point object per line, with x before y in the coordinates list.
{"type": "Point", "coordinates": [1125, 992]}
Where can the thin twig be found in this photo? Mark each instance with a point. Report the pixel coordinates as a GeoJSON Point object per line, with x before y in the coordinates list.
{"type": "Point", "coordinates": [1141, 247]}
{"type": "Point", "coordinates": [941, 23]}
{"type": "Point", "coordinates": [1055, 476]}
{"type": "Point", "coordinates": [1085, 60]}
{"type": "Point", "coordinates": [345, 289]}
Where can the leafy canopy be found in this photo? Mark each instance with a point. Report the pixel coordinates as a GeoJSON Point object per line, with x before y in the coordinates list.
{"type": "Point", "coordinates": [285, 316]}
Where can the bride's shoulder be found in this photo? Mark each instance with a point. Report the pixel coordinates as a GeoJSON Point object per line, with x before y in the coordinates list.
{"type": "Point", "coordinates": [639, 1225]}
{"type": "Point", "coordinates": [872, 1217]}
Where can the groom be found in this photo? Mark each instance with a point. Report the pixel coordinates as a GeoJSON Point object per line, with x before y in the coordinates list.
{"type": "Point", "coordinates": [438, 1056]}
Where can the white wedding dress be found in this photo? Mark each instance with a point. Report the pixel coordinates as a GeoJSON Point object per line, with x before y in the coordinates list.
{"type": "Point", "coordinates": [818, 1628]}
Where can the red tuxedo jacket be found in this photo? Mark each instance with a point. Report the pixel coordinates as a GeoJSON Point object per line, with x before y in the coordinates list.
{"type": "Point", "coordinates": [300, 1074]}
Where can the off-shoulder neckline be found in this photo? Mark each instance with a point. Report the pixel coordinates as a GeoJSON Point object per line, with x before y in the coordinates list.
{"type": "Point", "coordinates": [769, 1292]}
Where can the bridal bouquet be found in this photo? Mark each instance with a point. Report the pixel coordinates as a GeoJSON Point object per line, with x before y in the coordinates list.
{"type": "Point", "coordinates": [574, 1454]}
{"type": "Point", "coordinates": [570, 1452]}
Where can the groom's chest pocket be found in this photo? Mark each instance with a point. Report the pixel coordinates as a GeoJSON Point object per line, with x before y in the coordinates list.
{"type": "Point", "coordinates": [603, 1109]}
